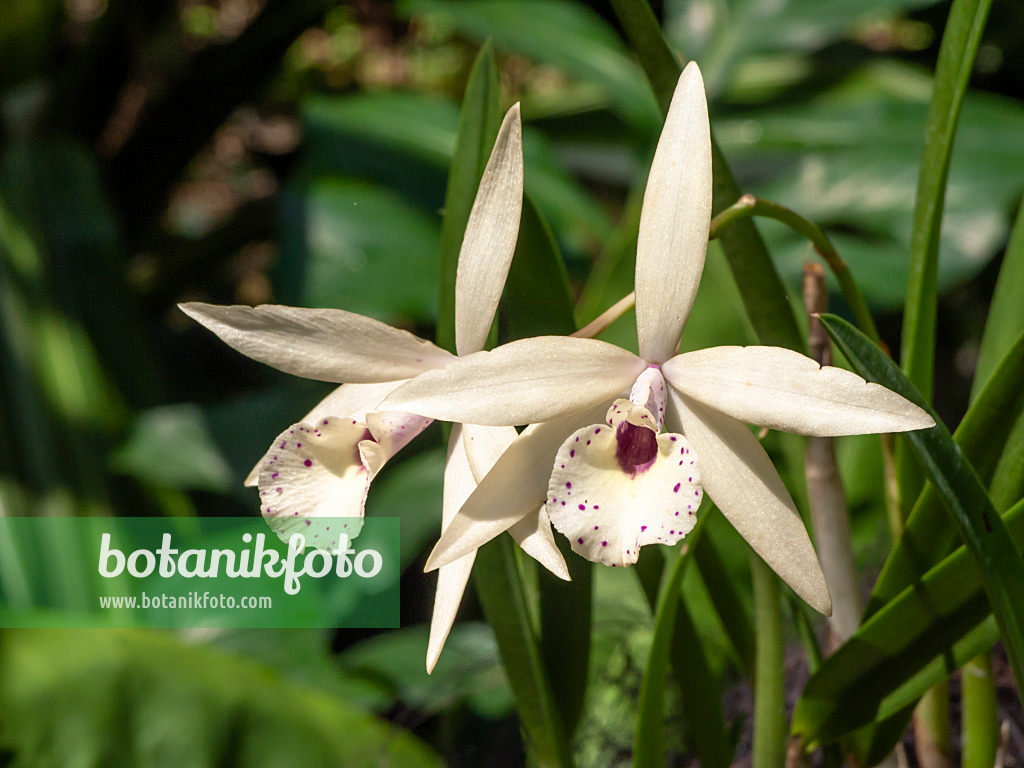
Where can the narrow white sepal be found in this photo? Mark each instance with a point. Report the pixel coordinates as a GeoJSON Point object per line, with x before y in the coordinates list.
{"type": "Point", "coordinates": [782, 389]}
{"type": "Point", "coordinates": [324, 344]}
{"type": "Point", "coordinates": [674, 221]}
{"type": "Point", "coordinates": [523, 382]}
{"type": "Point", "coordinates": [490, 238]}
{"type": "Point", "coordinates": [452, 578]}
{"type": "Point", "coordinates": [740, 479]}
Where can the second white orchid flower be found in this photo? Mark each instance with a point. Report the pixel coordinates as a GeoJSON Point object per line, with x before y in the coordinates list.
{"type": "Point", "coordinates": [322, 466]}
{"type": "Point", "coordinates": [609, 480]}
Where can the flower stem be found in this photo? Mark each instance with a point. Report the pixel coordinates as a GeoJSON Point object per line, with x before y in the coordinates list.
{"type": "Point", "coordinates": [597, 326]}
{"type": "Point", "coordinates": [770, 727]}
{"type": "Point", "coordinates": [748, 206]}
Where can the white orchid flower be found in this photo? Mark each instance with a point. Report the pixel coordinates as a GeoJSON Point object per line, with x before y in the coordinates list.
{"type": "Point", "coordinates": [618, 484]}
{"type": "Point", "coordinates": [323, 466]}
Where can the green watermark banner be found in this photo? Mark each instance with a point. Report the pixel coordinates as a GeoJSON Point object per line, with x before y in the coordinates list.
{"type": "Point", "coordinates": [198, 572]}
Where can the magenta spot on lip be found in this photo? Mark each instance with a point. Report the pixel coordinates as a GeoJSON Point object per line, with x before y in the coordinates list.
{"type": "Point", "coordinates": [308, 463]}
{"type": "Point", "coordinates": [563, 503]}
{"type": "Point", "coordinates": [690, 479]}
{"type": "Point", "coordinates": [583, 506]}
{"type": "Point", "coordinates": [595, 527]}
{"type": "Point", "coordinates": [596, 507]}
{"type": "Point", "coordinates": [298, 445]}
{"type": "Point", "coordinates": [283, 444]}
{"type": "Point", "coordinates": [572, 454]}
{"type": "Point", "coordinates": [325, 421]}
{"type": "Point", "coordinates": [672, 439]}
{"type": "Point", "coordinates": [597, 431]}
{"type": "Point", "coordinates": [579, 540]}
{"type": "Point", "coordinates": [568, 485]}
{"type": "Point", "coordinates": [604, 543]}
{"type": "Point", "coordinates": [588, 442]}
{"type": "Point", "coordinates": [696, 493]}
{"type": "Point", "coordinates": [643, 528]}
{"type": "Point", "coordinates": [274, 475]}
{"type": "Point", "coordinates": [279, 489]}
{"type": "Point", "coordinates": [676, 489]}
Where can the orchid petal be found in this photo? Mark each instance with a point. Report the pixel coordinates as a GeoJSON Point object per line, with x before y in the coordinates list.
{"type": "Point", "coordinates": [533, 534]}
{"type": "Point", "coordinates": [452, 578]}
{"type": "Point", "coordinates": [323, 344]}
{"type": "Point", "coordinates": [316, 471]}
{"type": "Point", "coordinates": [490, 238]}
{"type": "Point", "coordinates": [674, 221]}
{"type": "Point", "coordinates": [608, 513]}
{"type": "Point", "coordinates": [393, 430]}
{"type": "Point", "coordinates": [484, 446]}
{"type": "Point", "coordinates": [514, 488]}
{"type": "Point", "coordinates": [739, 478]}
{"type": "Point", "coordinates": [782, 389]}
{"type": "Point", "coordinates": [353, 401]}
{"type": "Point", "coordinates": [523, 382]}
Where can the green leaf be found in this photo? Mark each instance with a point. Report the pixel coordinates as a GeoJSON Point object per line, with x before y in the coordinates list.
{"type": "Point", "coordinates": [986, 436]}
{"type": "Point", "coordinates": [961, 490]}
{"type": "Point", "coordinates": [128, 698]}
{"type": "Point", "coordinates": [499, 586]}
{"type": "Point", "coordinates": [649, 743]}
{"type": "Point", "coordinates": [344, 240]}
{"type": "Point", "coordinates": [916, 640]}
{"type": "Point", "coordinates": [171, 446]}
{"type": "Point", "coordinates": [960, 41]}
{"type": "Point", "coordinates": [676, 640]}
{"type": "Point", "coordinates": [1006, 312]}
{"type": "Point", "coordinates": [567, 35]}
{"type": "Point", "coordinates": [862, 192]}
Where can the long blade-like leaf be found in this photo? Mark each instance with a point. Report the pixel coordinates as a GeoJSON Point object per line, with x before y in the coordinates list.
{"type": "Point", "coordinates": [961, 490]}
{"type": "Point", "coordinates": [915, 641]}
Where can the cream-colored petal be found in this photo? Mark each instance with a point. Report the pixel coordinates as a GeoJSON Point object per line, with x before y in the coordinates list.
{"type": "Point", "coordinates": [314, 472]}
{"type": "Point", "coordinates": [352, 401]}
{"type": "Point", "coordinates": [782, 389]}
{"type": "Point", "coordinates": [484, 446]}
{"type": "Point", "coordinates": [523, 382]}
{"type": "Point", "coordinates": [609, 507]}
{"type": "Point", "coordinates": [490, 238]}
{"type": "Point", "coordinates": [452, 578]}
{"type": "Point", "coordinates": [674, 221]}
{"type": "Point", "coordinates": [740, 479]}
{"type": "Point", "coordinates": [324, 344]}
{"type": "Point", "coordinates": [533, 534]}
{"type": "Point", "coordinates": [514, 488]}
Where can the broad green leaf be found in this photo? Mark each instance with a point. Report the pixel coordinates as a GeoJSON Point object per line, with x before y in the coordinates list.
{"type": "Point", "coordinates": [916, 640]}
{"type": "Point", "coordinates": [468, 672]}
{"type": "Point", "coordinates": [406, 142]}
{"type": "Point", "coordinates": [128, 698]}
{"type": "Point", "coordinates": [817, 163]}
{"type": "Point", "coordinates": [343, 241]}
{"type": "Point", "coordinates": [962, 492]}
{"type": "Point", "coordinates": [171, 446]}
{"type": "Point", "coordinates": [567, 35]}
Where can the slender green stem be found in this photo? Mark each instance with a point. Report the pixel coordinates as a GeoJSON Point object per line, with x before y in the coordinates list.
{"type": "Point", "coordinates": [748, 206]}
{"type": "Point", "coordinates": [770, 728]}
{"type": "Point", "coordinates": [980, 713]}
